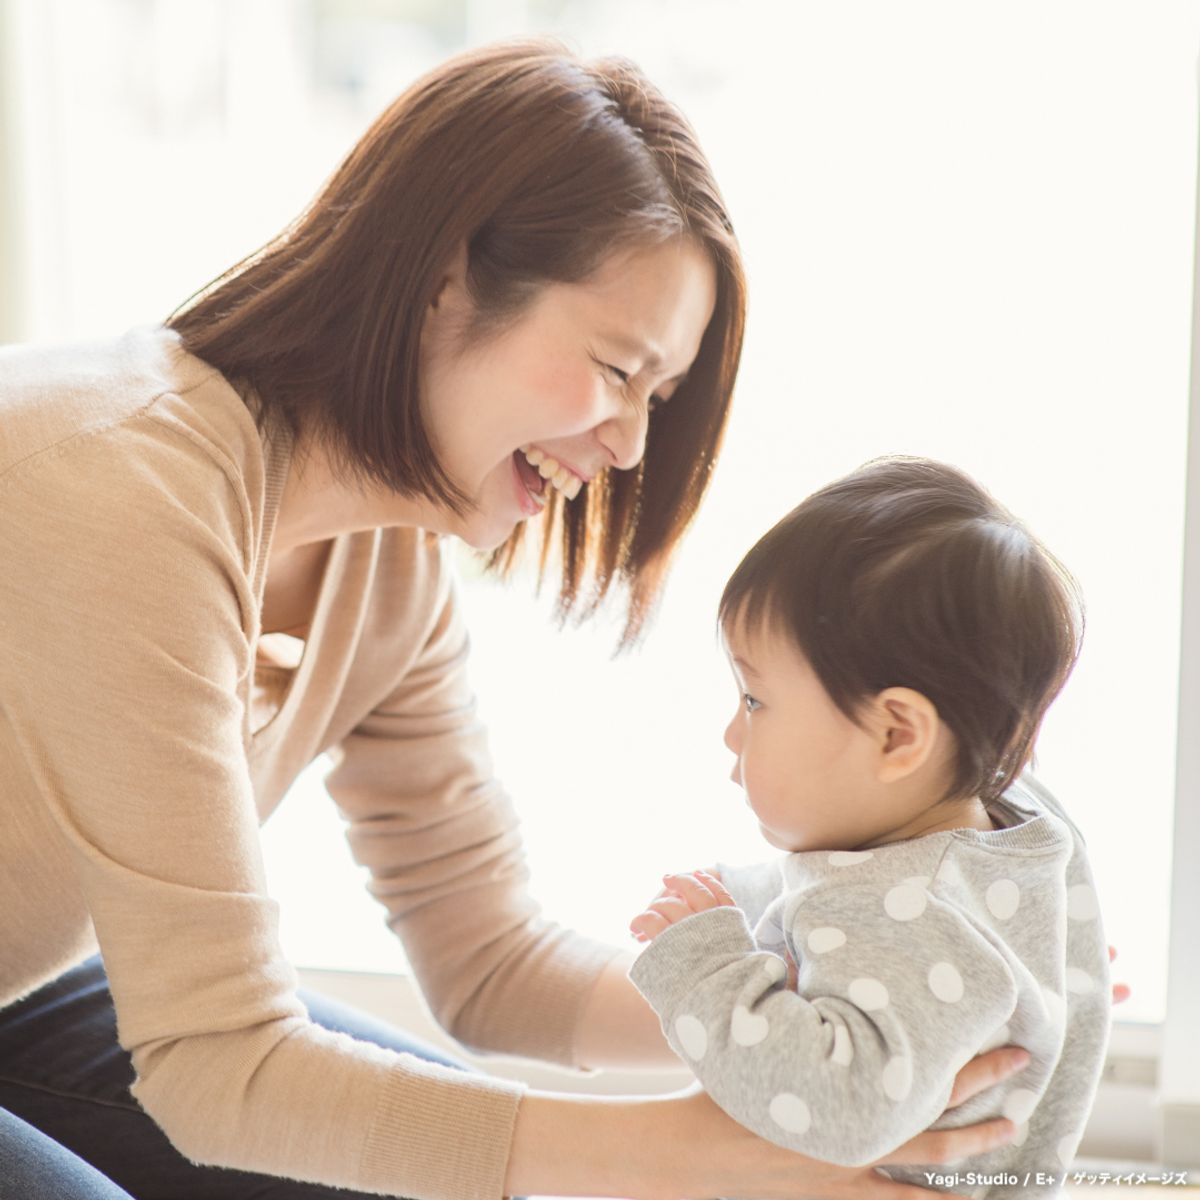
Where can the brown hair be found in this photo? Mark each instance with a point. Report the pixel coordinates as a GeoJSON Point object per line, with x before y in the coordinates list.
{"type": "Point", "coordinates": [906, 573]}
{"type": "Point", "coordinates": [542, 165]}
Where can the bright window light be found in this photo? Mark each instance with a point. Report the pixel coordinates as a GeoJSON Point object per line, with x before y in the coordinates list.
{"type": "Point", "coordinates": [968, 230]}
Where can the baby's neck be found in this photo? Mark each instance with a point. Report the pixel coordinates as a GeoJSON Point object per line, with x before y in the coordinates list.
{"type": "Point", "coordinates": [938, 818]}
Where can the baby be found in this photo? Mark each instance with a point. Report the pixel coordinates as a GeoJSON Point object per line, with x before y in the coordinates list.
{"type": "Point", "coordinates": [896, 641]}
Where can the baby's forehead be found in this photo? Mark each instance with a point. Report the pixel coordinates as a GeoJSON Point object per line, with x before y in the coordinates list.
{"type": "Point", "coordinates": [759, 639]}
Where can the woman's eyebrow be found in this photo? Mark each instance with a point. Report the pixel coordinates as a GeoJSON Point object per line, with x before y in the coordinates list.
{"type": "Point", "coordinates": [647, 354]}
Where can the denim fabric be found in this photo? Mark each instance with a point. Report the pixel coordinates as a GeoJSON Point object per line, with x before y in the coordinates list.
{"type": "Point", "coordinates": [71, 1130]}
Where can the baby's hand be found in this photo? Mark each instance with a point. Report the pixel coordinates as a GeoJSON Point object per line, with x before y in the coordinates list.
{"type": "Point", "coordinates": [681, 896]}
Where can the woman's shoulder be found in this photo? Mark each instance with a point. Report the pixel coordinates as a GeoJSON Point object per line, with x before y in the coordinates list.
{"type": "Point", "coordinates": [120, 437]}
{"type": "Point", "coordinates": [125, 392]}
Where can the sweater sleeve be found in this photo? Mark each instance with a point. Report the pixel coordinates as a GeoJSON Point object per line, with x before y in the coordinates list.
{"type": "Point", "coordinates": [443, 846]}
{"type": "Point", "coordinates": [753, 886]}
{"type": "Point", "coordinates": [124, 611]}
{"type": "Point", "coordinates": [863, 1055]}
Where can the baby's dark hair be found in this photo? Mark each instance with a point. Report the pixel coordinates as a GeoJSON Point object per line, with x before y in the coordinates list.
{"type": "Point", "coordinates": [906, 573]}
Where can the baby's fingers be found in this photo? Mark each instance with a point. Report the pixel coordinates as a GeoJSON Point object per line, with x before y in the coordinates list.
{"type": "Point", "coordinates": [1120, 991]}
{"type": "Point", "coordinates": [646, 926]}
{"type": "Point", "coordinates": [699, 892]}
{"type": "Point", "coordinates": [660, 912]}
{"type": "Point", "coordinates": [718, 889]}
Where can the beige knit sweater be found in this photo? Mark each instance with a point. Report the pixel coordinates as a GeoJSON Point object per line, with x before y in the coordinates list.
{"type": "Point", "coordinates": [137, 502]}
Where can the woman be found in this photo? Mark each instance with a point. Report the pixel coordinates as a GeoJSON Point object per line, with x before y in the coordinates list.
{"type": "Point", "coordinates": [518, 303]}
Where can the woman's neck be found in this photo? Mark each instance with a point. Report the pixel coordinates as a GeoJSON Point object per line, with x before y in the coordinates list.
{"type": "Point", "coordinates": [318, 505]}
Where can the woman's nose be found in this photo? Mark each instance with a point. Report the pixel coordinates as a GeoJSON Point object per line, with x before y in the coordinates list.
{"type": "Point", "coordinates": [624, 437]}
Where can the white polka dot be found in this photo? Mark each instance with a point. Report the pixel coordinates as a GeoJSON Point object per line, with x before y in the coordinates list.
{"type": "Point", "coordinates": [1066, 1151]}
{"type": "Point", "coordinates": [1018, 1105]}
{"type": "Point", "coordinates": [1056, 1006]}
{"type": "Point", "coordinates": [904, 903]}
{"type": "Point", "coordinates": [897, 1079]}
{"type": "Point", "coordinates": [791, 1113]}
{"type": "Point", "coordinates": [847, 858]}
{"type": "Point", "coordinates": [945, 982]}
{"type": "Point", "coordinates": [1079, 982]}
{"type": "Point", "coordinates": [843, 1047]}
{"type": "Point", "coordinates": [868, 994]}
{"type": "Point", "coordinates": [821, 941]}
{"type": "Point", "coordinates": [1003, 897]}
{"type": "Point", "coordinates": [692, 1035]}
{"type": "Point", "coordinates": [1081, 903]}
{"type": "Point", "coordinates": [1021, 1134]}
{"type": "Point", "coordinates": [747, 1028]}
{"type": "Point", "coordinates": [774, 967]}
{"type": "Point", "coordinates": [1002, 1037]}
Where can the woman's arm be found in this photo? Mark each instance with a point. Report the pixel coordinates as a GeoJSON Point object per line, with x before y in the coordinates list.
{"type": "Point", "coordinates": [664, 1147]}
{"type": "Point", "coordinates": [128, 613]}
{"type": "Point", "coordinates": [618, 1029]}
{"type": "Point", "coordinates": [427, 817]}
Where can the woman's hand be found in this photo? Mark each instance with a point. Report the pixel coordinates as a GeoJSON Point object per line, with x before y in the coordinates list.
{"type": "Point", "coordinates": [681, 896]}
{"type": "Point", "coordinates": [721, 1158]}
{"type": "Point", "coordinates": [684, 1145]}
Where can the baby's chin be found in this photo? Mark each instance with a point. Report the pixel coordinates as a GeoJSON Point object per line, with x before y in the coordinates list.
{"type": "Point", "coordinates": [797, 843]}
{"type": "Point", "coordinates": [791, 845]}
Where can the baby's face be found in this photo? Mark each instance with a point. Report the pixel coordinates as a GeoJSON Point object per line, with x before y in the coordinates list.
{"type": "Point", "coordinates": [808, 771]}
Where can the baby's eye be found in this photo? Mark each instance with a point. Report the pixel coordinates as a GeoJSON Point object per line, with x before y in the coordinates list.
{"type": "Point", "coordinates": [750, 702]}
{"type": "Point", "coordinates": [622, 377]}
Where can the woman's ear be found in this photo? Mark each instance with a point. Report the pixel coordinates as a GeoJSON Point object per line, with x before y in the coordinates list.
{"type": "Point", "coordinates": [451, 292]}
{"type": "Point", "coordinates": [448, 313]}
{"type": "Point", "coordinates": [907, 727]}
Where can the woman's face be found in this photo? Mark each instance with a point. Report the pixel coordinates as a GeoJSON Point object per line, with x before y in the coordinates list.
{"type": "Point", "coordinates": [567, 386]}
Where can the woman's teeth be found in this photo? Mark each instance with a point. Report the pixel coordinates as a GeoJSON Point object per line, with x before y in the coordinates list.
{"type": "Point", "coordinates": [553, 472]}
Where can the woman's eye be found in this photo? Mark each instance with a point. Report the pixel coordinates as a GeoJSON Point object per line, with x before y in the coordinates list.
{"type": "Point", "coordinates": [750, 702]}
{"type": "Point", "coordinates": [623, 378]}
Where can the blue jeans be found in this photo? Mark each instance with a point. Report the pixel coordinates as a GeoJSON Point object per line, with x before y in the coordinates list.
{"type": "Point", "coordinates": [71, 1130]}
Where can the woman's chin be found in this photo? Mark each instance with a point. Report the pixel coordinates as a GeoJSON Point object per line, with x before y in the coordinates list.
{"type": "Point", "coordinates": [486, 536]}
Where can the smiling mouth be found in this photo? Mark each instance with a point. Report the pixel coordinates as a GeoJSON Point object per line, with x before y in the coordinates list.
{"type": "Point", "coordinates": [551, 470]}
{"type": "Point", "coordinates": [533, 483]}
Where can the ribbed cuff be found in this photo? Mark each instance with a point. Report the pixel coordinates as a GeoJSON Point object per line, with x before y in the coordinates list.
{"type": "Point", "coordinates": [441, 1134]}
{"type": "Point", "coordinates": [683, 954]}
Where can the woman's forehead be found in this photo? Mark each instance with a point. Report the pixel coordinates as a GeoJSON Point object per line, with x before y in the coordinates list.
{"type": "Point", "coordinates": [653, 301]}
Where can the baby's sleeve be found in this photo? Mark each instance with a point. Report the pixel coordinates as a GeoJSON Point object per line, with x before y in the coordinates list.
{"type": "Point", "coordinates": [894, 993]}
{"type": "Point", "coordinates": [753, 886]}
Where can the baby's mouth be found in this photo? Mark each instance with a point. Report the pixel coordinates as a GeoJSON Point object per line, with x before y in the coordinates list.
{"type": "Point", "coordinates": [532, 461]}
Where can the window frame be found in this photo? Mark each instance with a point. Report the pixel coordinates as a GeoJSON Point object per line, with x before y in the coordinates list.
{"type": "Point", "coordinates": [1178, 1132]}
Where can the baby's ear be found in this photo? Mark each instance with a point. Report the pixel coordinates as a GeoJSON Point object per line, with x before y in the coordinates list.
{"type": "Point", "coordinates": [907, 728]}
